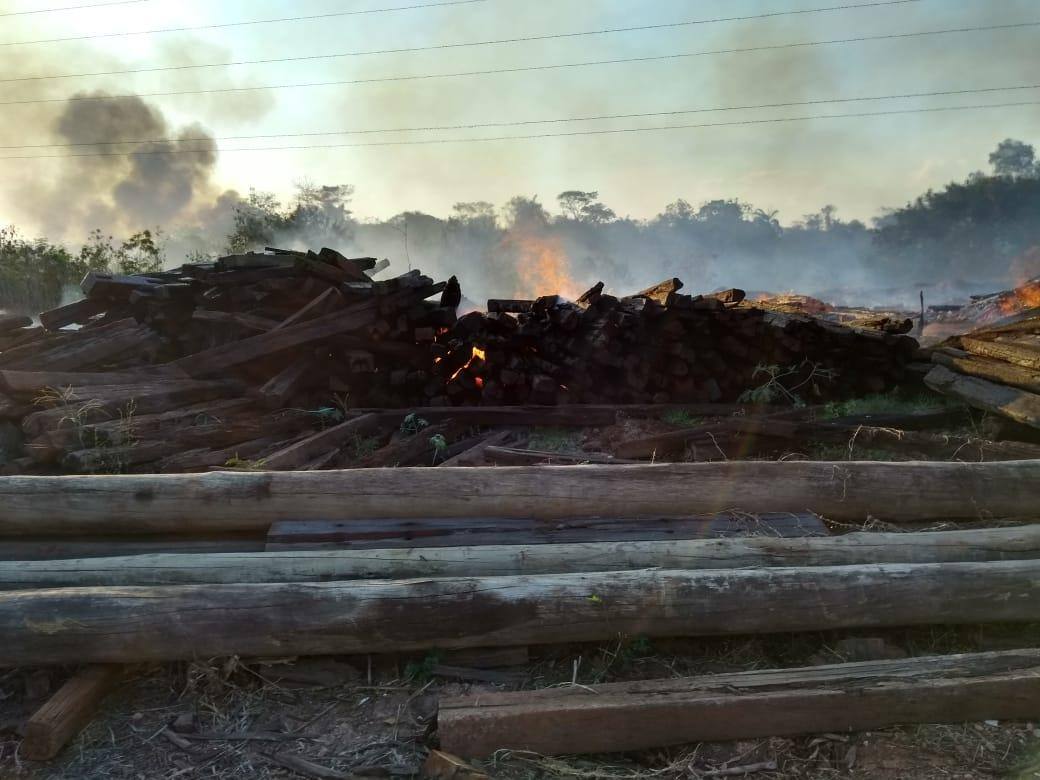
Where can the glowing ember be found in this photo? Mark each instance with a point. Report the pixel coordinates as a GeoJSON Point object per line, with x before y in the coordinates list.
{"type": "Point", "coordinates": [478, 354]}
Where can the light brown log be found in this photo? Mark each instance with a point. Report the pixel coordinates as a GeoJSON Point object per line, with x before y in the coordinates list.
{"type": "Point", "coordinates": [1001, 350]}
{"type": "Point", "coordinates": [1018, 405]}
{"type": "Point", "coordinates": [513, 456]}
{"type": "Point", "coordinates": [844, 490]}
{"type": "Point", "coordinates": [492, 560]}
{"type": "Point", "coordinates": [68, 711]}
{"type": "Point", "coordinates": [116, 625]}
{"type": "Point", "coordinates": [986, 368]}
{"type": "Point", "coordinates": [745, 705]}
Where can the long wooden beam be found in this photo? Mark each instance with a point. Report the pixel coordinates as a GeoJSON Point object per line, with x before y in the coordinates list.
{"type": "Point", "coordinates": [128, 624]}
{"type": "Point", "coordinates": [745, 705]}
{"type": "Point", "coordinates": [983, 544]}
{"type": "Point", "coordinates": [194, 503]}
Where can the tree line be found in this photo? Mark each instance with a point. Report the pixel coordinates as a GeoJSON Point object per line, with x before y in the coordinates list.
{"type": "Point", "coordinates": [978, 229]}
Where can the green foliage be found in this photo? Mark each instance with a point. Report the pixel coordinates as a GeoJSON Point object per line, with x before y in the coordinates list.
{"type": "Point", "coordinates": [142, 253]}
{"type": "Point", "coordinates": [412, 424]}
{"type": "Point", "coordinates": [784, 384]}
{"type": "Point", "coordinates": [439, 444]}
{"type": "Point", "coordinates": [681, 418]}
{"type": "Point", "coordinates": [244, 464]}
{"type": "Point", "coordinates": [364, 446]}
{"type": "Point", "coordinates": [33, 274]}
{"type": "Point", "coordinates": [893, 402]}
{"type": "Point", "coordinates": [422, 671]}
{"type": "Point", "coordinates": [554, 440]}
{"type": "Point", "coordinates": [318, 214]}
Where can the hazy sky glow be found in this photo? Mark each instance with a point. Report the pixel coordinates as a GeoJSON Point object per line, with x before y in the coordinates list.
{"type": "Point", "coordinates": [859, 164]}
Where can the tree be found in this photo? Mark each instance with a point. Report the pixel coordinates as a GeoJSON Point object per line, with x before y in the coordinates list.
{"type": "Point", "coordinates": [34, 274]}
{"type": "Point", "coordinates": [478, 216]}
{"type": "Point", "coordinates": [581, 206]}
{"type": "Point", "coordinates": [523, 213]}
{"type": "Point", "coordinates": [1016, 159]}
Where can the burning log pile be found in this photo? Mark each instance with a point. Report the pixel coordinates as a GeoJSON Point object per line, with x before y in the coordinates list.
{"type": "Point", "coordinates": [270, 358]}
{"type": "Point", "coordinates": [658, 346]}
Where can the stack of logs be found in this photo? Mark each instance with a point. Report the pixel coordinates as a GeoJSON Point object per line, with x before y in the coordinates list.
{"type": "Point", "coordinates": [210, 362]}
{"type": "Point", "coordinates": [995, 369]}
{"type": "Point", "coordinates": [657, 346]}
{"type": "Point", "coordinates": [234, 363]}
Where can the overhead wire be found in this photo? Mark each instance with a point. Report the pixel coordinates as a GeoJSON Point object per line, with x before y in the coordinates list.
{"type": "Point", "coordinates": [538, 136]}
{"type": "Point", "coordinates": [71, 8]}
{"type": "Point", "coordinates": [526, 68]}
{"type": "Point", "coordinates": [245, 23]}
{"type": "Point", "coordinates": [464, 44]}
{"type": "Point", "coordinates": [526, 122]}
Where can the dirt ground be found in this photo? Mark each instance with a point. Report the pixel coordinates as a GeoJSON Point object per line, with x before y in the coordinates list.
{"type": "Point", "coordinates": [230, 719]}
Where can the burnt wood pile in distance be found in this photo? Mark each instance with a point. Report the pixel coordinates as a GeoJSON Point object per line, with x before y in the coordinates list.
{"type": "Point", "coordinates": [658, 346]}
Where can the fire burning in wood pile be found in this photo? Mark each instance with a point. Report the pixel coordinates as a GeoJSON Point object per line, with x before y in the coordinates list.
{"type": "Point", "coordinates": [232, 361]}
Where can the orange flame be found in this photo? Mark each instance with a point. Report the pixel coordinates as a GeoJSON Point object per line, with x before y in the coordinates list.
{"type": "Point", "coordinates": [478, 354]}
{"type": "Point", "coordinates": [542, 267]}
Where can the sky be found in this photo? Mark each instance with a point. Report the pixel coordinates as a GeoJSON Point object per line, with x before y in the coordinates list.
{"type": "Point", "coordinates": [859, 164]}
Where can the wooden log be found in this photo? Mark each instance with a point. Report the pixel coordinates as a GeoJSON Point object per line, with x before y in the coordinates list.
{"type": "Point", "coordinates": [745, 705]}
{"type": "Point", "coordinates": [513, 456]}
{"type": "Point", "coordinates": [304, 451]}
{"type": "Point", "coordinates": [289, 381]}
{"type": "Point", "coordinates": [9, 322]}
{"type": "Point", "coordinates": [227, 356]}
{"type": "Point", "coordinates": [412, 449]}
{"type": "Point", "coordinates": [493, 560]}
{"type": "Point", "coordinates": [844, 490]}
{"type": "Point", "coordinates": [396, 533]}
{"type": "Point", "coordinates": [937, 445]}
{"type": "Point", "coordinates": [574, 415]}
{"type": "Point", "coordinates": [32, 383]}
{"type": "Point", "coordinates": [322, 304]}
{"type": "Point", "coordinates": [999, 349]}
{"type": "Point", "coordinates": [59, 548]}
{"type": "Point", "coordinates": [675, 441]}
{"type": "Point", "coordinates": [68, 711]}
{"type": "Point", "coordinates": [662, 292]}
{"type": "Point", "coordinates": [474, 455]}
{"type": "Point", "coordinates": [1018, 405]}
{"type": "Point", "coordinates": [248, 322]}
{"type": "Point", "coordinates": [997, 371]}
{"type": "Point", "coordinates": [75, 312]}
{"type": "Point", "coordinates": [121, 625]}
{"type": "Point", "coordinates": [88, 348]}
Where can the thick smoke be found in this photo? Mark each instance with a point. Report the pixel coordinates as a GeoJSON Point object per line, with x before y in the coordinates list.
{"type": "Point", "coordinates": [149, 184]}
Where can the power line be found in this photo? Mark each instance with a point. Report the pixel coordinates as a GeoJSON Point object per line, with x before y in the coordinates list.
{"type": "Point", "coordinates": [245, 23]}
{"type": "Point", "coordinates": [525, 122]}
{"type": "Point", "coordinates": [537, 136]}
{"type": "Point", "coordinates": [524, 68]}
{"type": "Point", "coordinates": [72, 8]}
{"type": "Point", "coordinates": [468, 44]}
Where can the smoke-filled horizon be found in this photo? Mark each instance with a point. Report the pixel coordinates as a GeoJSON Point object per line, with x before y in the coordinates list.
{"type": "Point", "coordinates": [190, 183]}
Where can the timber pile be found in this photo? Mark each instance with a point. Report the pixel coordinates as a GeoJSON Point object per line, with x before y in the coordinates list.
{"type": "Point", "coordinates": [269, 358]}
{"type": "Point", "coordinates": [996, 369]}
{"type": "Point", "coordinates": [657, 346]}
{"type": "Point", "coordinates": [216, 362]}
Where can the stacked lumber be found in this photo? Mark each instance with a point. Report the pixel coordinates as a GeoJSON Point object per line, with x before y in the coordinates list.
{"type": "Point", "coordinates": [657, 346]}
{"type": "Point", "coordinates": [216, 362]}
{"type": "Point", "coordinates": [539, 587]}
{"type": "Point", "coordinates": [996, 369]}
